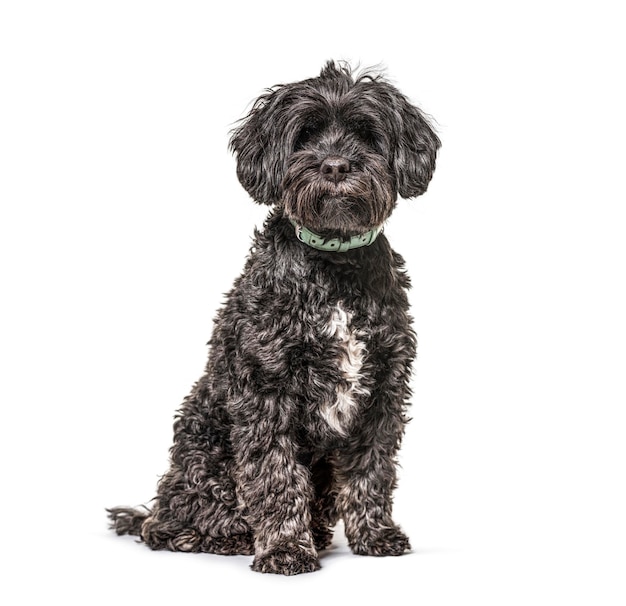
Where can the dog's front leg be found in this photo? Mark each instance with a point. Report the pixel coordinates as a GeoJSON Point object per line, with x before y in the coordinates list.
{"type": "Point", "coordinates": [367, 477]}
{"type": "Point", "coordinates": [366, 469]}
{"type": "Point", "coordinates": [275, 492]}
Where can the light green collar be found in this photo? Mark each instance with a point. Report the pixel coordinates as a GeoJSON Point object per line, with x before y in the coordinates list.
{"type": "Point", "coordinates": [335, 244]}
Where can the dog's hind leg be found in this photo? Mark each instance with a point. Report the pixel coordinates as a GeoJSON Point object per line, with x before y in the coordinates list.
{"type": "Point", "coordinates": [195, 508]}
{"type": "Point", "coordinates": [188, 519]}
{"type": "Point", "coordinates": [160, 529]}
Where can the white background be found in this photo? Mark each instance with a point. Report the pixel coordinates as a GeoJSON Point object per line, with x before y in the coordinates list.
{"type": "Point", "coordinates": [122, 223]}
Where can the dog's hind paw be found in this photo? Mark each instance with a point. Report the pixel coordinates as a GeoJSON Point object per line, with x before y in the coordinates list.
{"type": "Point", "coordinates": [287, 560]}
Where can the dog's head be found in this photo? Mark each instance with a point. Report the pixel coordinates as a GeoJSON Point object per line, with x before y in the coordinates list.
{"type": "Point", "coordinates": [335, 151]}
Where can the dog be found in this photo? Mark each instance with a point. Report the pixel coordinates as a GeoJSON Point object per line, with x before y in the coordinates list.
{"type": "Point", "coordinates": [299, 416]}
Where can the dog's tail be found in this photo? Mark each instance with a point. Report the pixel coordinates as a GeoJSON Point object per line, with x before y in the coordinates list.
{"type": "Point", "coordinates": [128, 520]}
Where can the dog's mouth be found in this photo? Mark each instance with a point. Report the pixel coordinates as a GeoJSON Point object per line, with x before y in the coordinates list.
{"type": "Point", "coordinates": [332, 211]}
{"type": "Point", "coordinates": [353, 205]}
{"type": "Point", "coordinates": [339, 211]}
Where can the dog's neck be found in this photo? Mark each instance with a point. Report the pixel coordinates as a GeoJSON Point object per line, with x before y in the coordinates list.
{"type": "Point", "coordinates": [310, 238]}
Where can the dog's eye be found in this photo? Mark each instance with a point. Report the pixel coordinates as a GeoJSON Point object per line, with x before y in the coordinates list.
{"type": "Point", "coordinates": [366, 133]}
{"type": "Point", "coordinates": [305, 135]}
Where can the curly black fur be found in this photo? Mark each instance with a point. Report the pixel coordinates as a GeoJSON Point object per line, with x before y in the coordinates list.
{"type": "Point", "coordinates": [299, 416]}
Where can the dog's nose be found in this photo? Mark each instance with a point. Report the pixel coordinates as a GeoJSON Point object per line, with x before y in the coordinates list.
{"type": "Point", "coordinates": [335, 168]}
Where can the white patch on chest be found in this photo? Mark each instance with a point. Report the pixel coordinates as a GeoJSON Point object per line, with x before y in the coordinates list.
{"type": "Point", "coordinates": [339, 414]}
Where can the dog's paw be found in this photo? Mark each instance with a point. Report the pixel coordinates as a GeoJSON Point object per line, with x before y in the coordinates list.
{"type": "Point", "coordinates": [288, 560]}
{"type": "Point", "coordinates": [385, 542]}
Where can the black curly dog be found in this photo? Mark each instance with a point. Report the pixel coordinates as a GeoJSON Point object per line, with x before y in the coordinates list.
{"type": "Point", "coordinates": [298, 419]}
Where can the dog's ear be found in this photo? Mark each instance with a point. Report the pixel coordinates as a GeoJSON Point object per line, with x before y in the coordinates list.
{"type": "Point", "coordinates": [260, 153]}
{"type": "Point", "coordinates": [415, 150]}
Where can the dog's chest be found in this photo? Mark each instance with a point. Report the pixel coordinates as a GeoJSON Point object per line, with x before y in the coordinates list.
{"type": "Point", "coordinates": [348, 352]}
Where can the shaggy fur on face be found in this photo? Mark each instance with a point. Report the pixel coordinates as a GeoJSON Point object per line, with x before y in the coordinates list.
{"type": "Point", "coordinates": [298, 418]}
